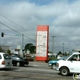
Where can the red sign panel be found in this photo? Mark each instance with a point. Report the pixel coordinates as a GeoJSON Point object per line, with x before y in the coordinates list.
{"type": "Point", "coordinates": [42, 42]}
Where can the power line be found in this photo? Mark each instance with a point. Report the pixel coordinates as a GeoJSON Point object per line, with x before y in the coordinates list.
{"type": "Point", "coordinates": [10, 28]}
{"type": "Point", "coordinates": [15, 30]}
{"type": "Point", "coordinates": [13, 22]}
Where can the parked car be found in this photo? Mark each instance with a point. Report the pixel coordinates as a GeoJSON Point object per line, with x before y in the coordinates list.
{"type": "Point", "coordinates": [52, 63]}
{"type": "Point", "coordinates": [19, 61]}
{"type": "Point", "coordinates": [5, 60]}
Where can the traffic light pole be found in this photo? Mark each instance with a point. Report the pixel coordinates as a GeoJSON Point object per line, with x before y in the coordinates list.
{"type": "Point", "coordinates": [22, 44]}
{"type": "Point", "coordinates": [22, 47]}
{"type": "Point", "coordinates": [22, 41]}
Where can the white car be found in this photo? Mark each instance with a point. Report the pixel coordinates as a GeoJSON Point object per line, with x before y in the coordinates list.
{"type": "Point", "coordinates": [5, 60]}
{"type": "Point", "coordinates": [69, 64]}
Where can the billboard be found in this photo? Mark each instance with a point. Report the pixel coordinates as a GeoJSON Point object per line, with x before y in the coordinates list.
{"type": "Point", "coordinates": [42, 42]}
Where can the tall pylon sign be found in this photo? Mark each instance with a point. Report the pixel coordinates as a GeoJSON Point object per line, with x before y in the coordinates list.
{"type": "Point", "coordinates": [42, 42]}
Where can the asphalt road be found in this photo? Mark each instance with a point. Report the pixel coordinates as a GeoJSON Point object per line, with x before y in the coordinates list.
{"type": "Point", "coordinates": [34, 71]}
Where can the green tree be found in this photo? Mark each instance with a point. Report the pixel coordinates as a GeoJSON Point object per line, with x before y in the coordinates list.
{"type": "Point", "coordinates": [32, 49]}
{"type": "Point", "coordinates": [59, 53]}
{"type": "Point", "coordinates": [9, 52]}
{"type": "Point", "coordinates": [27, 46]}
{"type": "Point", "coordinates": [1, 50]}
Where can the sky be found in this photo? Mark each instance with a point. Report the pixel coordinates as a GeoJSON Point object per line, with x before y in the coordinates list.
{"type": "Point", "coordinates": [19, 17]}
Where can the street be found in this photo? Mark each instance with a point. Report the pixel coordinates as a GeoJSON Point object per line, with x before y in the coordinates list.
{"type": "Point", "coordinates": [34, 71]}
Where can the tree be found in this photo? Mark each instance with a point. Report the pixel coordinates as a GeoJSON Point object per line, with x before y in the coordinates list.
{"type": "Point", "coordinates": [1, 50]}
{"type": "Point", "coordinates": [27, 46]}
{"type": "Point", "coordinates": [59, 53]}
{"type": "Point", "coordinates": [32, 49]}
{"type": "Point", "coordinates": [9, 52]}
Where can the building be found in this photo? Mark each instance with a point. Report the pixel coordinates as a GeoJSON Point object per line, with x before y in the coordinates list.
{"type": "Point", "coordinates": [5, 48]}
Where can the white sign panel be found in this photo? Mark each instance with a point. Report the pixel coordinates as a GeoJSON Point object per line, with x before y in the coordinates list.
{"type": "Point", "coordinates": [42, 43]}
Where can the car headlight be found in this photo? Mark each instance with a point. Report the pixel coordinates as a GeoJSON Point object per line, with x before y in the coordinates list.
{"type": "Point", "coordinates": [57, 64]}
{"type": "Point", "coordinates": [18, 58]}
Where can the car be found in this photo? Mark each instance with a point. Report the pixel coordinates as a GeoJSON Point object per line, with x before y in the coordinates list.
{"type": "Point", "coordinates": [69, 64]}
{"type": "Point", "coordinates": [52, 63]}
{"type": "Point", "coordinates": [5, 61]}
{"type": "Point", "coordinates": [19, 61]}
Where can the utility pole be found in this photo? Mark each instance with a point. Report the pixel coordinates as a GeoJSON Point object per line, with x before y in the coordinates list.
{"type": "Point", "coordinates": [53, 44]}
{"type": "Point", "coordinates": [22, 44]}
{"type": "Point", "coordinates": [63, 48]}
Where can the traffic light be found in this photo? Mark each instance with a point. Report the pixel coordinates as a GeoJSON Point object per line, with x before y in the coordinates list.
{"type": "Point", "coordinates": [2, 34]}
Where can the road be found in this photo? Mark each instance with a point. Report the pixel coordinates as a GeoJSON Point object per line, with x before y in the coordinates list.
{"type": "Point", "coordinates": [34, 71]}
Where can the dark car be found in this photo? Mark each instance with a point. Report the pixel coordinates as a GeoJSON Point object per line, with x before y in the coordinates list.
{"type": "Point", "coordinates": [19, 61]}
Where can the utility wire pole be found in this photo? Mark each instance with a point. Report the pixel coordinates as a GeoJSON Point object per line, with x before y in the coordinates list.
{"type": "Point", "coordinates": [22, 44]}
{"type": "Point", "coordinates": [63, 48]}
{"type": "Point", "coordinates": [22, 41]}
{"type": "Point", "coordinates": [53, 44]}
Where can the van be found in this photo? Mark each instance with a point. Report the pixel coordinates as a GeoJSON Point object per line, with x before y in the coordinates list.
{"type": "Point", "coordinates": [5, 60]}
{"type": "Point", "coordinates": [69, 64]}
{"type": "Point", "coordinates": [52, 63]}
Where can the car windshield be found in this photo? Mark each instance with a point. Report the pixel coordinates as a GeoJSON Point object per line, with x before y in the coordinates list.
{"type": "Point", "coordinates": [6, 56]}
{"type": "Point", "coordinates": [64, 57]}
{"type": "Point", "coordinates": [17, 56]}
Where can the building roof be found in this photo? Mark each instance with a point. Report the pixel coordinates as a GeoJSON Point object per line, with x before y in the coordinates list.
{"type": "Point", "coordinates": [5, 48]}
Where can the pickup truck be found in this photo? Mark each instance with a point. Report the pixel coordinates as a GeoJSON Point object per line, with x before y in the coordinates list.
{"type": "Point", "coordinates": [69, 64]}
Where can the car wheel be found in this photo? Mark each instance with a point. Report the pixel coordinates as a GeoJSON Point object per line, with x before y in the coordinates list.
{"type": "Point", "coordinates": [64, 71]}
{"type": "Point", "coordinates": [53, 66]}
{"type": "Point", "coordinates": [18, 64]}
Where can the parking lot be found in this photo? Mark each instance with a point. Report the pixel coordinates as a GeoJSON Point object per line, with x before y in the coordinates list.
{"type": "Point", "coordinates": [33, 71]}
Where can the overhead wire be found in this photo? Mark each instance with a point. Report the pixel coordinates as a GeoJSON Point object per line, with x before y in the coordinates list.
{"type": "Point", "coordinates": [15, 23]}
{"type": "Point", "coordinates": [9, 27]}
{"type": "Point", "coordinates": [15, 30]}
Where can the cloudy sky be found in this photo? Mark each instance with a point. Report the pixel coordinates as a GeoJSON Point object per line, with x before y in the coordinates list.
{"type": "Point", "coordinates": [23, 17]}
